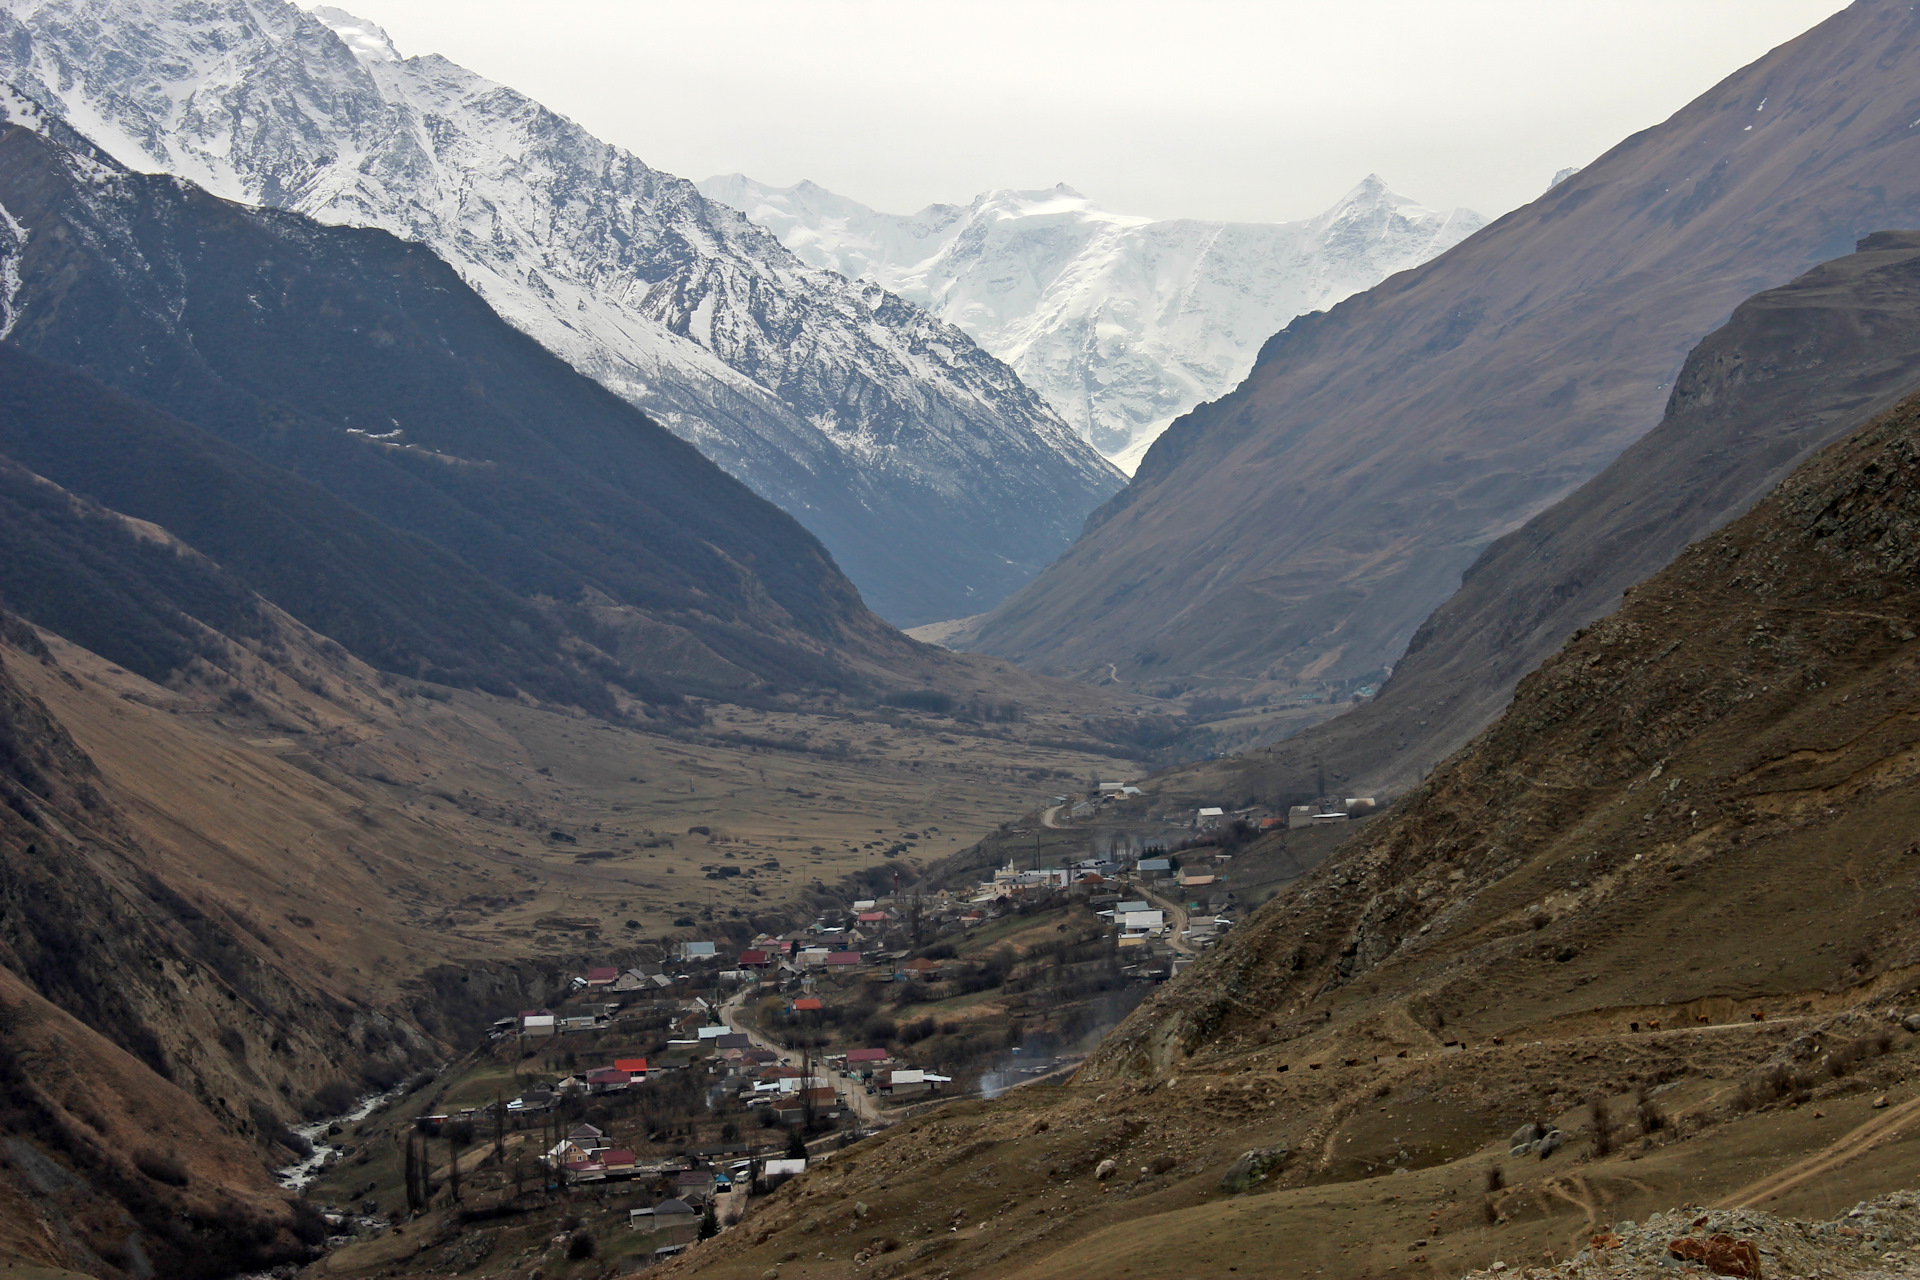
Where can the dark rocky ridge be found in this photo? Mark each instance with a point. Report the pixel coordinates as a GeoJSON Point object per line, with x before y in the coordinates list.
{"type": "Point", "coordinates": [1304, 526]}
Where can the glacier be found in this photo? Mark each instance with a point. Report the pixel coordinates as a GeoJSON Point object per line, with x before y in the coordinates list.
{"type": "Point", "coordinates": [1122, 323]}
{"type": "Point", "coordinates": [937, 478]}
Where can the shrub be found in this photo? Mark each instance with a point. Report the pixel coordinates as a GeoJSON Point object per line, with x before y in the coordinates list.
{"type": "Point", "coordinates": [580, 1246]}
{"type": "Point", "coordinates": [162, 1167]}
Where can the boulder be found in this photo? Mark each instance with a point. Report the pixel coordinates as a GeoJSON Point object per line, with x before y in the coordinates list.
{"type": "Point", "coordinates": [1912, 1023]}
{"type": "Point", "coordinates": [1551, 1142]}
{"type": "Point", "coordinates": [1723, 1255]}
{"type": "Point", "coordinates": [1105, 1168]}
{"type": "Point", "coordinates": [1251, 1169]}
{"type": "Point", "coordinates": [1526, 1135]}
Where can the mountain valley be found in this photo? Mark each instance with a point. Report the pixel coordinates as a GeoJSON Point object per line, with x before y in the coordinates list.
{"type": "Point", "coordinates": [1453, 813]}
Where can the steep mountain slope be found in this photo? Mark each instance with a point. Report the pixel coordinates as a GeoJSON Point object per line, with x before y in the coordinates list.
{"type": "Point", "coordinates": [1792, 369]}
{"type": "Point", "coordinates": [1663, 904]}
{"type": "Point", "coordinates": [1122, 323]}
{"type": "Point", "coordinates": [363, 365]}
{"type": "Point", "coordinates": [935, 477]}
{"type": "Point", "coordinates": [1303, 526]}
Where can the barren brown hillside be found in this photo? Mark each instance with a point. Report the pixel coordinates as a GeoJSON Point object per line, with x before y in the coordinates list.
{"type": "Point", "coordinates": [1666, 904]}
{"type": "Point", "coordinates": [1794, 368]}
{"type": "Point", "coordinates": [1303, 526]}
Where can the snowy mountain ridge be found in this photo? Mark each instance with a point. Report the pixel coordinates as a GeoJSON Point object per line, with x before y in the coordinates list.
{"type": "Point", "coordinates": [937, 479]}
{"type": "Point", "coordinates": [1122, 322]}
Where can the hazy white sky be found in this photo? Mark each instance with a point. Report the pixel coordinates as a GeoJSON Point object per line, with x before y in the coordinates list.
{"type": "Point", "coordinates": [1251, 109]}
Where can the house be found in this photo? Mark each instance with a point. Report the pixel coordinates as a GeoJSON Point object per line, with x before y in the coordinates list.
{"type": "Point", "coordinates": [872, 918]}
{"type": "Point", "coordinates": [813, 957]}
{"type": "Point", "coordinates": [533, 1100]}
{"type": "Point", "coordinates": [754, 958]}
{"type": "Point", "coordinates": [775, 1172]}
{"type": "Point", "coordinates": [587, 1136]}
{"type": "Point", "coordinates": [584, 1171]}
{"type": "Point", "coordinates": [923, 968]}
{"type": "Point", "coordinates": [632, 1066]}
{"type": "Point", "coordinates": [618, 1162]}
{"type": "Point", "coordinates": [901, 1082]}
{"type": "Point", "coordinates": [1143, 922]}
{"type": "Point", "coordinates": [1111, 788]}
{"type": "Point", "coordinates": [602, 976]}
{"type": "Point", "coordinates": [809, 1004]}
{"type": "Point", "coordinates": [733, 1040]}
{"type": "Point", "coordinates": [583, 1022]}
{"type": "Point", "coordinates": [673, 1224]}
{"type": "Point", "coordinates": [859, 1059]}
{"type": "Point", "coordinates": [566, 1152]}
{"type": "Point", "coordinates": [1299, 815]}
{"type": "Point", "coordinates": [696, 950]}
{"type": "Point", "coordinates": [715, 1032]}
{"type": "Point", "coordinates": [1189, 881]}
{"type": "Point", "coordinates": [1155, 868]}
{"type": "Point", "coordinates": [1330, 816]}
{"type": "Point", "coordinates": [536, 1022]}
{"type": "Point", "coordinates": [693, 1185]}
{"type": "Point", "coordinates": [1209, 816]}
{"type": "Point", "coordinates": [1135, 904]}
{"type": "Point", "coordinates": [842, 959]}
{"type": "Point", "coordinates": [609, 1080]}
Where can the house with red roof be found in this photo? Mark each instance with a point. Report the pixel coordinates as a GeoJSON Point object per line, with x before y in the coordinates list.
{"type": "Point", "coordinates": [842, 959]}
{"type": "Point", "coordinates": [808, 1004]}
{"type": "Point", "coordinates": [632, 1066]}
{"type": "Point", "coordinates": [602, 976]}
{"type": "Point", "coordinates": [755, 958]}
{"type": "Point", "coordinates": [866, 1057]}
{"type": "Point", "coordinates": [609, 1080]}
{"type": "Point", "coordinates": [872, 917]}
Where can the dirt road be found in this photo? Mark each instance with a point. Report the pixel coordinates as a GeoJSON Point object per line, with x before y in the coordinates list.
{"type": "Point", "coordinates": [1861, 1138]}
{"type": "Point", "coordinates": [863, 1106]}
{"type": "Point", "coordinates": [1177, 922]}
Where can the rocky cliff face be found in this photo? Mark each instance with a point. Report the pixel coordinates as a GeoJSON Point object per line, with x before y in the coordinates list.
{"type": "Point", "coordinates": [935, 477]}
{"type": "Point", "coordinates": [1302, 527]}
{"type": "Point", "coordinates": [1122, 323]}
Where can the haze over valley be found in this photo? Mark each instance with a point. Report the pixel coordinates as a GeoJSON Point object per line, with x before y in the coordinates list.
{"type": "Point", "coordinates": [562, 721]}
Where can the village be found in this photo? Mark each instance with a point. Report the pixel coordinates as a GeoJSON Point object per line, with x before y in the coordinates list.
{"type": "Point", "coordinates": [662, 1090]}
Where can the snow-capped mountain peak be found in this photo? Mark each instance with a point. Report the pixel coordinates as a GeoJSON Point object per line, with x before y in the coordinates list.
{"type": "Point", "coordinates": [936, 478]}
{"type": "Point", "coordinates": [366, 41]}
{"type": "Point", "coordinates": [1122, 322]}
